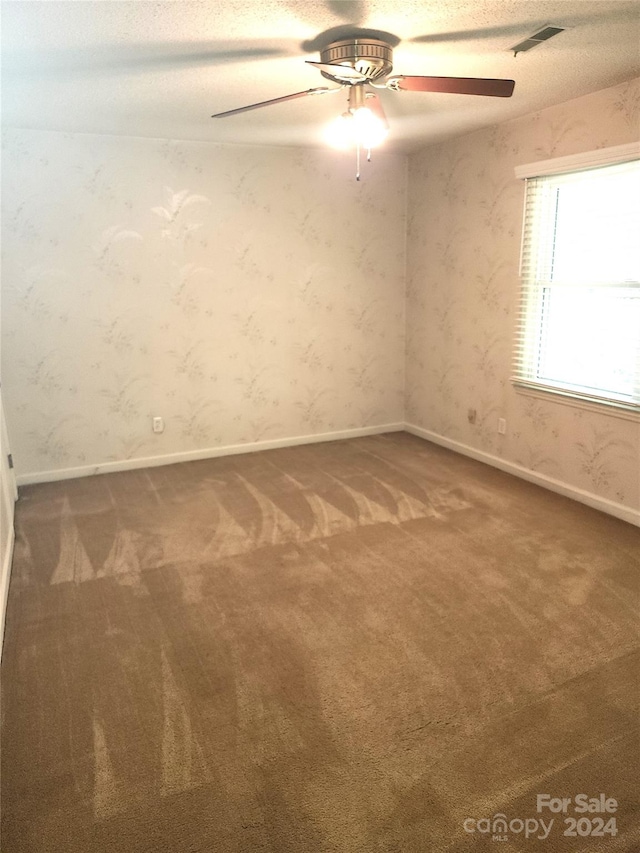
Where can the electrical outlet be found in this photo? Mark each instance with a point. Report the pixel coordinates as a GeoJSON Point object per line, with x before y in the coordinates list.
{"type": "Point", "coordinates": [502, 426]}
{"type": "Point", "coordinates": [158, 425]}
{"type": "Point", "coordinates": [471, 416]}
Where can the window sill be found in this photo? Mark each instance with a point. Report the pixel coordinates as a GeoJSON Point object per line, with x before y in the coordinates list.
{"type": "Point", "coordinates": [614, 410]}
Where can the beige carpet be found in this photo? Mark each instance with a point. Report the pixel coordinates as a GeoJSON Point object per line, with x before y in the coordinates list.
{"type": "Point", "coordinates": [355, 647]}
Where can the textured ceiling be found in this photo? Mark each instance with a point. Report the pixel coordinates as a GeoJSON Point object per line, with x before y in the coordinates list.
{"type": "Point", "coordinates": [146, 68]}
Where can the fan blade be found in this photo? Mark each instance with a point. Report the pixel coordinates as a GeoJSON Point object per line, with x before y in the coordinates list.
{"type": "Point", "coordinates": [351, 11]}
{"type": "Point", "coordinates": [499, 31]}
{"type": "Point", "coordinates": [453, 85]}
{"type": "Point", "coordinates": [375, 105]}
{"type": "Point", "coordinates": [319, 91]}
{"type": "Point", "coordinates": [340, 72]}
{"type": "Point", "coordinates": [134, 57]}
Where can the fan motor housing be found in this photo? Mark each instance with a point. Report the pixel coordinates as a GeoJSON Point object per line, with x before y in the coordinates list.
{"type": "Point", "coordinates": [370, 57]}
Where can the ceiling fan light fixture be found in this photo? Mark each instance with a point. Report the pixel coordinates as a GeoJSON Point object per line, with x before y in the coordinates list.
{"type": "Point", "coordinates": [358, 128]}
{"type": "Point", "coordinates": [370, 130]}
{"type": "Point", "coordinates": [338, 133]}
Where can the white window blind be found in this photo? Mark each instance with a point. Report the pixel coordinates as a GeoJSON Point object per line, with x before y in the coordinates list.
{"type": "Point", "coordinates": [579, 324]}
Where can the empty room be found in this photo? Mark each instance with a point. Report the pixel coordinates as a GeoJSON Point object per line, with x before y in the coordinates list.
{"type": "Point", "coordinates": [320, 377]}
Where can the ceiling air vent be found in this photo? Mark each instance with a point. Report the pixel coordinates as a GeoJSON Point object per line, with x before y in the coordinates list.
{"type": "Point", "coordinates": [536, 39]}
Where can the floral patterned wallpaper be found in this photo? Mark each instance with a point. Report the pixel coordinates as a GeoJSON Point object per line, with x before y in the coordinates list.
{"type": "Point", "coordinates": [464, 230]}
{"type": "Point", "coordinates": [240, 293]}
{"type": "Point", "coordinates": [246, 294]}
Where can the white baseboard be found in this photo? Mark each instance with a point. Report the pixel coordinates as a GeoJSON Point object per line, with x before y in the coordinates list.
{"type": "Point", "coordinates": [603, 504]}
{"type": "Point", "coordinates": [205, 453]}
{"type": "Point", "coordinates": [4, 583]}
{"type": "Point", "coordinates": [595, 501]}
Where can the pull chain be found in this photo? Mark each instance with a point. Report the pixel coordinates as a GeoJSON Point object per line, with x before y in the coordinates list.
{"type": "Point", "coordinates": [359, 157]}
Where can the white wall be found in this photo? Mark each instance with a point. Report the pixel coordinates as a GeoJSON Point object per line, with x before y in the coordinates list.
{"type": "Point", "coordinates": [241, 293]}
{"type": "Point", "coordinates": [465, 220]}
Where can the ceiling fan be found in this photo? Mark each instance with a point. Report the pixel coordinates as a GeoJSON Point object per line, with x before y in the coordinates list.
{"type": "Point", "coordinates": [358, 62]}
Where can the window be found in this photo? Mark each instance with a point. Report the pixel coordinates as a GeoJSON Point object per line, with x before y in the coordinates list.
{"type": "Point", "coordinates": [579, 327]}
